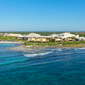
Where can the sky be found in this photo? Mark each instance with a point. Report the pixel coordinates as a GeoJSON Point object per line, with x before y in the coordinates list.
{"type": "Point", "coordinates": [42, 15]}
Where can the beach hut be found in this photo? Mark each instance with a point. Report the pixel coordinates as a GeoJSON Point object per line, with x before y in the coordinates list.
{"type": "Point", "coordinates": [32, 39]}
{"type": "Point", "coordinates": [38, 39]}
{"type": "Point", "coordinates": [43, 39]}
{"type": "Point", "coordinates": [58, 40]}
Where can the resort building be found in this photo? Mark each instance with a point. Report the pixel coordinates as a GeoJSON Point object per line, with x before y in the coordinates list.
{"type": "Point", "coordinates": [81, 38]}
{"type": "Point", "coordinates": [32, 36]}
{"type": "Point", "coordinates": [35, 37]}
{"type": "Point", "coordinates": [4, 34]}
{"type": "Point", "coordinates": [58, 40]}
{"type": "Point", "coordinates": [66, 35]}
{"type": "Point", "coordinates": [15, 35]}
{"type": "Point", "coordinates": [53, 35]}
{"type": "Point", "coordinates": [20, 37]}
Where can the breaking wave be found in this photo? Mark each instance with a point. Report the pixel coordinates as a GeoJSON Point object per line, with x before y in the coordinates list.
{"type": "Point", "coordinates": [80, 49]}
{"type": "Point", "coordinates": [37, 54]}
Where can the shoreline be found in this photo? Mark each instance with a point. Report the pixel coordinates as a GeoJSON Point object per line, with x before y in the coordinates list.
{"type": "Point", "coordinates": [10, 42]}
{"type": "Point", "coordinates": [26, 48]}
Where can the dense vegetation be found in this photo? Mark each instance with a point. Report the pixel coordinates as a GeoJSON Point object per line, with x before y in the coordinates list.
{"type": "Point", "coordinates": [10, 38]}
{"type": "Point", "coordinates": [55, 43]}
{"type": "Point", "coordinates": [50, 43]}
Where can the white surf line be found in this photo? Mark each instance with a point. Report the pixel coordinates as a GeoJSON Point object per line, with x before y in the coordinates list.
{"type": "Point", "coordinates": [37, 54]}
{"type": "Point", "coordinates": [80, 49]}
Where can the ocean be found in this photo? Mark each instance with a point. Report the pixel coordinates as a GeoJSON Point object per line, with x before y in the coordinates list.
{"type": "Point", "coordinates": [49, 66]}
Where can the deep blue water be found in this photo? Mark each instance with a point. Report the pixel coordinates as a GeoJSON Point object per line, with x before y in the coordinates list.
{"type": "Point", "coordinates": [49, 66]}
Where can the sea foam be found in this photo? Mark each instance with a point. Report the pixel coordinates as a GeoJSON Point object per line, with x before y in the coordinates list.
{"type": "Point", "coordinates": [37, 54]}
{"type": "Point", "coordinates": [80, 49]}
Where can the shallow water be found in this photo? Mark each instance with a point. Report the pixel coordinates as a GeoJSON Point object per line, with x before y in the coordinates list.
{"type": "Point", "coordinates": [49, 66]}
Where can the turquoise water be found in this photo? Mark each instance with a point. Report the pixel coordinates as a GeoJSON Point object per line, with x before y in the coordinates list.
{"type": "Point", "coordinates": [49, 66]}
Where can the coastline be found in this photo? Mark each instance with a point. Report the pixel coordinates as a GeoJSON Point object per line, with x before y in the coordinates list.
{"type": "Point", "coordinates": [26, 48]}
{"type": "Point", "coordinates": [14, 42]}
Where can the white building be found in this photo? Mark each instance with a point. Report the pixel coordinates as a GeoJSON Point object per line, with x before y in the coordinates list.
{"type": "Point", "coordinates": [81, 38]}
{"type": "Point", "coordinates": [33, 35]}
{"type": "Point", "coordinates": [15, 35]}
{"type": "Point", "coordinates": [53, 35]}
{"type": "Point", "coordinates": [66, 35]}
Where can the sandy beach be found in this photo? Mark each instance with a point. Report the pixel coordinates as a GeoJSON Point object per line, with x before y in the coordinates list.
{"type": "Point", "coordinates": [2, 42]}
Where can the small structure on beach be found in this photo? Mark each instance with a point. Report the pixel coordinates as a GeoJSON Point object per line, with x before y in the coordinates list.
{"type": "Point", "coordinates": [43, 40]}
{"type": "Point", "coordinates": [58, 40]}
{"type": "Point", "coordinates": [32, 39]}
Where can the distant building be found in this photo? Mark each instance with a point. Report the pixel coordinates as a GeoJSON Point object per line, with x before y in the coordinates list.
{"type": "Point", "coordinates": [66, 35]}
{"type": "Point", "coordinates": [33, 35]}
{"type": "Point", "coordinates": [53, 35]}
{"type": "Point", "coordinates": [15, 35]}
{"type": "Point", "coordinates": [81, 38]}
{"type": "Point", "coordinates": [36, 37]}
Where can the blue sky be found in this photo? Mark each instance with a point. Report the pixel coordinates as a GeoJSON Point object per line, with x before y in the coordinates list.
{"type": "Point", "coordinates": [42, 15]}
